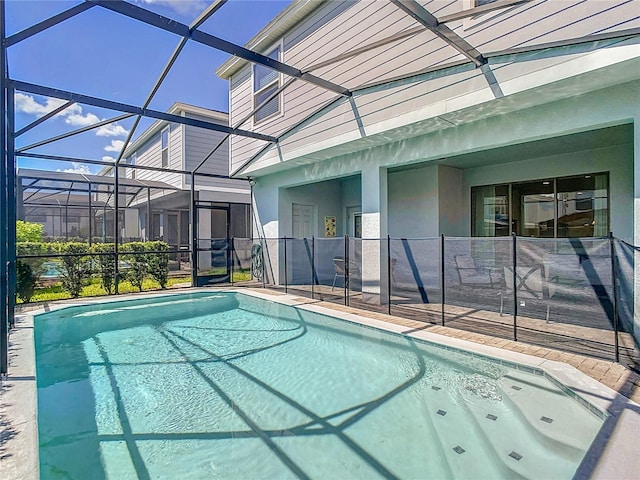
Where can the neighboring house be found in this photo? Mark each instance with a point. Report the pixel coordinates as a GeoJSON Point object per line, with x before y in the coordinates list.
{"type": "Point", "coordinates": [440, 135]}
{"type": "Point", "coordinates": [223, 204]}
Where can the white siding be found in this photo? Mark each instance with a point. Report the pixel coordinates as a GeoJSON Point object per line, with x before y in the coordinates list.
{"type": "Point", "coordinates": [150, 154]}
{"type": "Point", "coordinates": [340, 27]}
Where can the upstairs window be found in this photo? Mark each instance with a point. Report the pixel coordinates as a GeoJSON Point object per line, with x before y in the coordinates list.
{"type": "Point", "coordinates": [165, 147]}
{"type": "Point", "coordinates": [265, 83]}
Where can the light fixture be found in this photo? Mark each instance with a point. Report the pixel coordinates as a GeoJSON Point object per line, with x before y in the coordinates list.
{"type": "Point", "coordinates": [587, 176]}
{"type": "Point", "coordinates": [252, 181]}
{"type": "Point", "coordinates": [546, 183]}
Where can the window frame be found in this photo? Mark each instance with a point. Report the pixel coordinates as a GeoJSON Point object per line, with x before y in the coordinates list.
{"type": "Point", "coordinates": [277, 82]}
{"type": "Point", "coordinates": [165, 148]}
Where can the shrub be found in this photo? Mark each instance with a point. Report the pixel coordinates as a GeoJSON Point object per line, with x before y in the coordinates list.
{"type": "Point", "coordinates": [105, 265]}
{"type": "Point", "coordinates": [133, 254]}
{"type": "Point", "coordinates": [28, 232]}
{"type": "Point", "coordinates": [25, 281]}
{"type": "Point", "coordinates": [158, 263]}
{"type": "Point", "coordinates": [75, 269]}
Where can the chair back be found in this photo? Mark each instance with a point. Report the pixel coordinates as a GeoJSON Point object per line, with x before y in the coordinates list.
{"type": "Point", "coordinates": [530, 282]}
{"type": "Point", "coordinates": [338, 265]}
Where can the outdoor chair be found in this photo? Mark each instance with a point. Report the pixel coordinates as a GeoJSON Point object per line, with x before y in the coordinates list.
{"type": "Point", "coordinates": [470, 274]}
{"type": "Point", "coordinates": [340, 270]}
{"type": "Point", "coordinates": [531, 283]}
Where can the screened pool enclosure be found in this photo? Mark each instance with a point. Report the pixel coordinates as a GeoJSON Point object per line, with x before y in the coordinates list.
{"type": "Point", "coordinates": [116, 221]}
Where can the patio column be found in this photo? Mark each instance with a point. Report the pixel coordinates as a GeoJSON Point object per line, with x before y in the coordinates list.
{"type": "Point", "coordinates": [374, 234]}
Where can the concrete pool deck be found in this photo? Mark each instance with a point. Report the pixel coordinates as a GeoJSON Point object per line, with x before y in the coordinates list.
{"type": "Point", "coordinates": [607, 385]}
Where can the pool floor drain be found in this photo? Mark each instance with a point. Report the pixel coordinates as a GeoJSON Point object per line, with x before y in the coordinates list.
{"type": "Point", "coordinates": [515, 455]}
{"type": "Point", "coordinates": [459, 449]}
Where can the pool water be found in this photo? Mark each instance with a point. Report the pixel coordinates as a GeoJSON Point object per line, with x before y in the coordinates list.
{"type": "Point", "coordinates": [225, 385]}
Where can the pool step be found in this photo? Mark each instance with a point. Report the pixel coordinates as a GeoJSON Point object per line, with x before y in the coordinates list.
{"type": "Point", "coordinates": [461, 439]}
{"type": "Point", "coordinates": [545, 439]}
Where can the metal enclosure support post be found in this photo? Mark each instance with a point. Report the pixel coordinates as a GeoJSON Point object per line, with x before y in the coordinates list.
{"type": "Point", "coordinates": [11, 208]}
{"type": "Point", "coordinates": [90, 215]}
{"type": "Point", "coordinates": [313, 266]}
{"type": "Point", "coordinates": [4, 324]}
{"type": "Point", "coordinates": [389, 274]}
{"type": "Point", "coordinates": [194, 232]}
{"type": "Point", "coordinates": [614, 295]}
{"type": "Point", "coordinates": [515, 288]}
{"type": "Point", "coordinates": [116, 226]}
{"type": "Point", "coordinates": [286, 281]}
{"type": "Point", "coordinates": [346, 270]}
{"type": "Point", "coordinates": [442, 284]}
{"type": "Point", "coordinates": [231, 260]}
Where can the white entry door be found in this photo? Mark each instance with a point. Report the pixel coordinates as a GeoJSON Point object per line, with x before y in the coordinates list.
{"type": "Point", "coordinates": [304, 220]}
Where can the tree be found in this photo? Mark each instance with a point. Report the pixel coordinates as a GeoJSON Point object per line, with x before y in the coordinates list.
{"type": "Point", "coordinates": [26, 281]}
{"type": "Point", "coordinates": [75, 269]}
{"type": "Point", "coordinates": [134, 255]}
{"type": "Point", "coordinates": [28, 232]}
{"type": "Point", "coordinates": [158, 263]}
{"type": "Point", "coordinates": [105, 264]}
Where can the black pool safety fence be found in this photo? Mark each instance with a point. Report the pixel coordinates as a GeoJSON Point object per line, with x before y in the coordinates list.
{"type": "Point", "coordinates": [572, 294]}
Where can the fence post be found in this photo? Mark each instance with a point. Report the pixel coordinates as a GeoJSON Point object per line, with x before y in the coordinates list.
{"type": "Point", "coordinates": [442, 284]}
{"type": "Point", "coordinates": [313, 266]}
{"type": "Point", "coordinates": [515, 288]}
{"type": "Point", "coordinates": [614, 286]}
{"type": "Point", "coordinates": [286, 284]}
{"type": "Point", "coordinates": [389, 274]}
{"type": "Point", "coordinates": [346, 270]}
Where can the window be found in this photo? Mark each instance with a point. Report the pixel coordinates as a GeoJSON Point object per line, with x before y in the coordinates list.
{"type": "Point", "coordinates": [479, 3]}
{"type": "Point", "coordinates": [165, 147]}
{"type": "Point", "coordinates": [265, 83]}
{"type": "Point", "coordinates": [132, 161]}
{"type": "Point", "coordinates": [566, 207]}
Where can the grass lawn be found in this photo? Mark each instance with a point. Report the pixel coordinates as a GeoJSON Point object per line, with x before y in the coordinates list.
{"type": "Point", "coordinates": [94, 289]}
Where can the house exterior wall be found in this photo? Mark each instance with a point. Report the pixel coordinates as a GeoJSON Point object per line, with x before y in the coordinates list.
{"type": "Point", "coordinates": [150, 154]}
{"type": "Point", "coordinates": [338, 27]}
{"type": "Point", "coordinates": [439, 195]}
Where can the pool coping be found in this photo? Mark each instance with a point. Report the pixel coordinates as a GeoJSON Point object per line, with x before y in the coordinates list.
{"type": "Point", "coordinates": [613, 454]}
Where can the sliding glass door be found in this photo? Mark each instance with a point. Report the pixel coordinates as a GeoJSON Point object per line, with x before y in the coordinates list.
{"type": "Point", "coordinates": [576, 206]}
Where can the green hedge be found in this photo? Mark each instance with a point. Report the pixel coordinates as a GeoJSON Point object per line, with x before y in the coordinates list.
{"type": "Point", "coordinates": [76, 270]}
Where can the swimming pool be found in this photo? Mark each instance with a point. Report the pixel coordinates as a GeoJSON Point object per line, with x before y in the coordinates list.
{"type": "Point", "coordinates": [224, 385]}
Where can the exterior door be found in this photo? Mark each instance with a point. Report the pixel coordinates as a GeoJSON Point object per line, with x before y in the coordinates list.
{"type": "Point", "coordinates": [213, 245]}
{"type": "Point", "coordinates": [303, 218]}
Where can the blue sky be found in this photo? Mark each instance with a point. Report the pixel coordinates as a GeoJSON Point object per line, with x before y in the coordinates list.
{"type": "Point", "coordinates": [106, 55]}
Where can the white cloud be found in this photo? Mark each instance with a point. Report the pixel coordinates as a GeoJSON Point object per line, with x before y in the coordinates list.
{"type": "Point", "coordinates": [112, 130]}
{"type": "Point", "coordinates": [28, 104]}
{"type": "Point", "coordinates": [77, 168]}
{"type": "Point", "coordinates": [107, 158]}
{"type": "Point", "coordinates": [181, 6]}
{"type": "Point", "coordinates": [81, 120]}
{"type": "Point", "coordinates": [73, 115]}
{"type": "Point", "coordinates": [116, 146]}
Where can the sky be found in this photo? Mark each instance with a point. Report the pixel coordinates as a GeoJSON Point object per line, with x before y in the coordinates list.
{"type": "Point", "coordinates": [103, 54]}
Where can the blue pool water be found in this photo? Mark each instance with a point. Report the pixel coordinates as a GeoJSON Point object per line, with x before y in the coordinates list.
{"type": "Point", "coordinates": [224, 385]}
